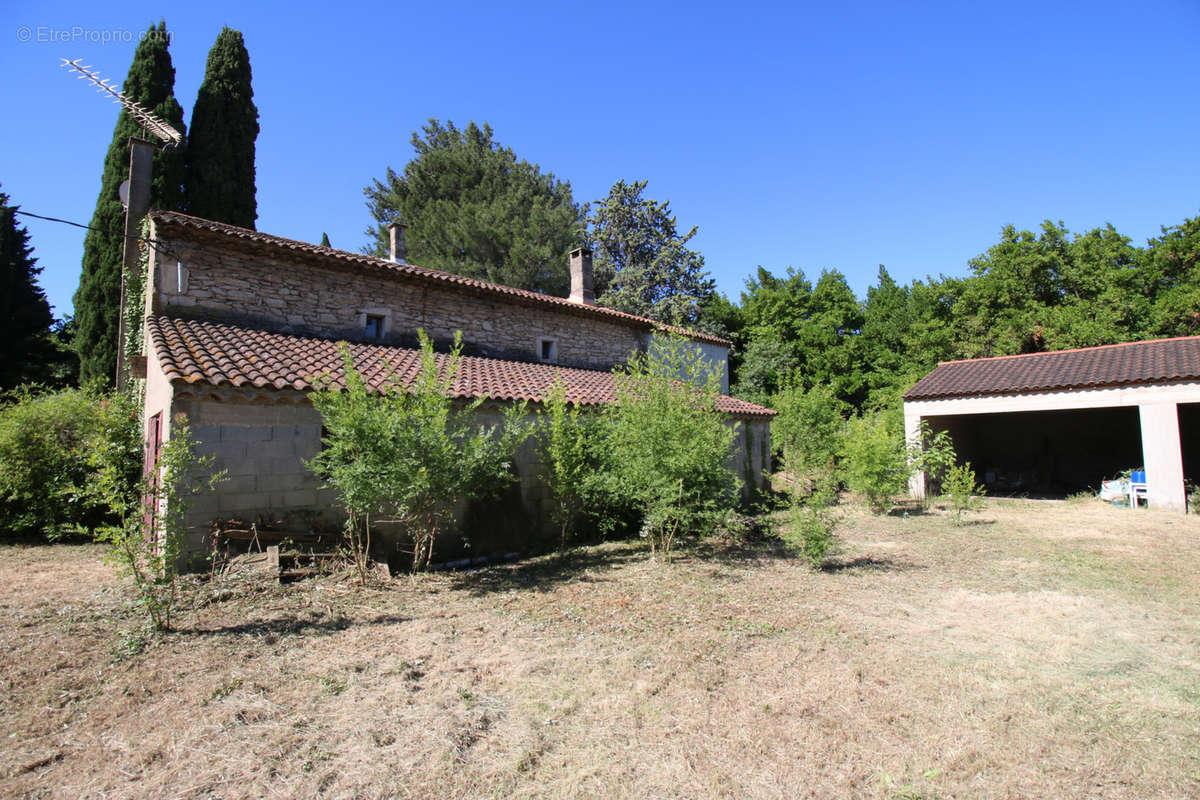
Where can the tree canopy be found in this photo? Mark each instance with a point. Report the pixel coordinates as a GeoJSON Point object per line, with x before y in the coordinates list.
{"type": "Point", "coordinates": [220, 178]}
{"type": "Point", "coordinates": [642, 263]}
{"type": "Point", "coordinates": [25, 320]}
{"type": "Point", "coordinates": [1029, 292]}
{"type": "Point", "coordinates": [473, 208]}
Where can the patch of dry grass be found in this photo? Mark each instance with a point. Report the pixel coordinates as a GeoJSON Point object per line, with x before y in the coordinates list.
{"type": "Point", "coordinates": [1048, 650]}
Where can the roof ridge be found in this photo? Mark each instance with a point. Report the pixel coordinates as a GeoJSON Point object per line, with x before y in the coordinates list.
{"type": "Point", "coordinates": [1067, 350]}
{"type": "Point", "coordinates": [428, 272]}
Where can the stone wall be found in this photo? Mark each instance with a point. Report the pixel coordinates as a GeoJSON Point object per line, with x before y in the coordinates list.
{"type": "Point", "coordinates": [305, 294]}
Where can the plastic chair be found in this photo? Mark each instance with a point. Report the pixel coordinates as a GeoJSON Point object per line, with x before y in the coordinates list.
{"type": "Point", "coordinates": [1137, 488]}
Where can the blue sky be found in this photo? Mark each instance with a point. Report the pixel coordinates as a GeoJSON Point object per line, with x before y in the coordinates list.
{"type": "Point", "coordinates": [810, 135]}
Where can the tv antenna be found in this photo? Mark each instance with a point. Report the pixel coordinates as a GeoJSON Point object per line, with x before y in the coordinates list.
{"type": "Point", "coordinates": [149, 122]}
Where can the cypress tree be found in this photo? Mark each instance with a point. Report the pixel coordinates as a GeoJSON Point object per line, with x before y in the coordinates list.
{"type": "Point", "coordinates": [151, 82]}
{"type": "Point", "coordinates": [24, 313]}
{"type": "Point", "coordinates": [220, 184]}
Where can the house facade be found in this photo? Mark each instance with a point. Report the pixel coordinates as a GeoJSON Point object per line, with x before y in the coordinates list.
{"type": "Point", "coordinates": [239, 324]}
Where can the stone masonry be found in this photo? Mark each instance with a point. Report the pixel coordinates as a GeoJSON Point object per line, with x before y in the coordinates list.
{"type": "Point", "coordinates": [251, 285]}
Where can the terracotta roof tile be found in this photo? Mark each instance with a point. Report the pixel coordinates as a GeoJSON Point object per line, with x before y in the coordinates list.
{"type": "Point", "coordinates": [422, 273]}
{"type": "Point", "coordinates": [201, 352]}
{"type": "Point", "coordinates": [1155, 361]}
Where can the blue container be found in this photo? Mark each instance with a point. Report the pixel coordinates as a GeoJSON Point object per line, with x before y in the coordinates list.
{"type": "Point", "coordinates": [1139, 476]}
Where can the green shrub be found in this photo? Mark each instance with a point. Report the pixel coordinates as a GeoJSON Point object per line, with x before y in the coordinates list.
{"type": "Point", "coordinates": [809, 428]}
{"type": "Point", "coordinates": [813, 520]}
{"type": "Point", "coordinates": [150, 556]}
{"type": "Point", "coordinates": [568, 442]}
{"type": "Point", "coordinates": [933, 454]}
{"type": "Point", "coordinates": [964, 493]}
{"type": "Point", "coordinates": [875, 460]}
{"type": "Point", "coordinates": [812, 533]}
{"type": "Point", "coordinates": [46, 472]}
{"type": "Point", "coordinates": [408, 454]}
{"type": "Point", "coordinates": [664, 445]}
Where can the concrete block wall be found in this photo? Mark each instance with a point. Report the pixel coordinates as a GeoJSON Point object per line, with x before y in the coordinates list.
{"type": "Point", "coordinates": [263, 448]}
{"type": "Point", "coordinates": [303, 294]}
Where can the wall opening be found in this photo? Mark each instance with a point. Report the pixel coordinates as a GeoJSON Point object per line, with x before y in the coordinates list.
{"type": "Point", "coordinates": [1189, 442]}
{"type": "Point", "coordinates": [1048, 454]}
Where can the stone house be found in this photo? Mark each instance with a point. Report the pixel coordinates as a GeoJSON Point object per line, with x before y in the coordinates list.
{"type": "Point", "coordinates": [239, 324]}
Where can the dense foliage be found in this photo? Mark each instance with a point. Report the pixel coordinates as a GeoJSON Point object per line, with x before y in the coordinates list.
{"type": "Point", "coordinates": [29, 350]}
{"type": "Point", "coordinates": [473, 208]}
{"type": "Point", "coordinates": [1029, 292]}
{"type": "Point", "coordinates": [642, 263]}
{"type": "Point", "coordinates": [150, 82]}
{"type": "Point", "coordinates": [568, 446]}
{"type": "Point", "coordinates": [220, 177]}
{"type": "Point", "coordinates": [408, 455]}
{"type": "Point", "coordinates": [665, 447]}
{"type": "Point", "coordinates": [48, 473]}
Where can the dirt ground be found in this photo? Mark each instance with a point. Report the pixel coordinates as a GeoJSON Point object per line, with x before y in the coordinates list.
{"type": "Point", "coordinates": [1046, 649]}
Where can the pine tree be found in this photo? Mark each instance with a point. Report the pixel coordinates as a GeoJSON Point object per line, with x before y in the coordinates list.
{"type": "Point", "coordinates": [24, 313]}
{"type": "Point", "coordinates": [150, 82]}
{"type": "Point", "coordinates": [473, 208]}
{"type": "Point", "coordinates": [220, 182]}
{"type": "Point", "coordinates": [643, 265]}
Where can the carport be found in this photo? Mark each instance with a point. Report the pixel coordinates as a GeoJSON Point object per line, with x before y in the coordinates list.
{"type": "Point", "coordinates": [1048, 424]}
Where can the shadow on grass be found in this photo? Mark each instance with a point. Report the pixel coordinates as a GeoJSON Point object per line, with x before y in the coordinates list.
{"type": "Point", "coordinates": [542, 573]}
{"type": "Point", "coordinates": [971, 523]}
{"type": "Point", "coordinates": [868, 564]}
{"type": "Point", "coordinates": [291, 626]}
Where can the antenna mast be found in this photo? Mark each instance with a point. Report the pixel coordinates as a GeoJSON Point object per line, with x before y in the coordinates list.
{"type": "Point", "coordinates": [163, 130]}
{"type": "Point", "coordinates": [137, 199]}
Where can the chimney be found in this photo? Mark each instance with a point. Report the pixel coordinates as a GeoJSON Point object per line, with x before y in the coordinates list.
{"type": "Point", "coordinates": [396, 236]}
{"type": "Point", "coordinates": [581, 277]}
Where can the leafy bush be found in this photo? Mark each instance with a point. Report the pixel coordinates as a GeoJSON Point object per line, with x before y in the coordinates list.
{"type": "Point", "coordinates": [809, 428]}
{"type": "Point", "coordinates": [408, 453]}
{"type": "Point", "coordinates": [962, 489]}
{"type": "Point", "coordinates": [812, 532]}
{"type": "Point", "coordinates": [46, 474]}
{"type": "Point", "coordinates": [146, 543]}
{"type": "Point", "coordinates": [665, 445]}
{"type": "Point", "coordinates": [875, 460]}
{"type": "Point", "coordinates": [813, 519]}
{"type": "Point", "coordinates": [933, 454]}
{"type": "Point", "coordinates": [567, 438]}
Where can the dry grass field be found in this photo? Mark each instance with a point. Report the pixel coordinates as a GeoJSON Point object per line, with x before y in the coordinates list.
{"type": "Point", "coordinates": [1047, 650]}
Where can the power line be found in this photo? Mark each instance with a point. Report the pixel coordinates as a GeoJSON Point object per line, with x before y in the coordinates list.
{"type": "Point", "coordinates": [154, 244]}
{"type": "Point", "coordinates": [66, 222]}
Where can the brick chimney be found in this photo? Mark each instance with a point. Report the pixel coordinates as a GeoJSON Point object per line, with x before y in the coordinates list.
{"type": "Point", "coordinates": [396, 236]}
{"type": "Point", "coordinates": [581, 277]}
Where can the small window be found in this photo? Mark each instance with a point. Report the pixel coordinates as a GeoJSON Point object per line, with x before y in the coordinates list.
{"type": "Point", "coordinates": [374, 326]}
{"type": "Point", "coordinates": [548, 350]}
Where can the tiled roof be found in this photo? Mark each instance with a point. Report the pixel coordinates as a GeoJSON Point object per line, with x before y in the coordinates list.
{"type": "Point", "coordinates": [1155, 361]}
{"type": "Point", "coordinates": [209, 353]}
{"type": "Point", "coordinates": [422, 273]}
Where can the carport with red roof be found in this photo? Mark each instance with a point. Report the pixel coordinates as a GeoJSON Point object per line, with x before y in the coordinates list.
{"type": "Point", "coordinates": [1050, 424]}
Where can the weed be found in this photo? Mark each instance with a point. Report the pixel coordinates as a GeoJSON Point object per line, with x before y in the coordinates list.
{"type": "Point", "coordinates": [223, 691]}
{"type": "Point", "coordinates": [331, 684]}
{"type": "Point", "coordinates": [129, 643]}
